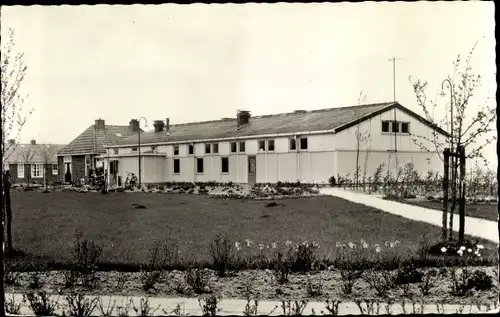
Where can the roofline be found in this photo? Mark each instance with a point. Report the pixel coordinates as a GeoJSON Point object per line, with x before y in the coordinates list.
{"type": "Point", "coordinates": [110, 156]}
{"type": "Point", "coordinates": [78, 154]}
{"type": "Point", "coordinates": [227, 139]}
{"type": "Point", "coordinates": [398, 106]}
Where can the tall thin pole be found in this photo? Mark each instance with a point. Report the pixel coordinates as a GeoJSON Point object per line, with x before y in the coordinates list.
{"type": "Point", "coordinates": [453, 159]}
{"type": "Point", "coordinates": [139, 148]}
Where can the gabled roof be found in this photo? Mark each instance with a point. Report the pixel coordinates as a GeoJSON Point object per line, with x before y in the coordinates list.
{"type": "Point", "coordinates": [332, 120]}
{"type": "Point", "coordinates": [92, 140]}
{"type": "Point", "coordinates": [32, 153]}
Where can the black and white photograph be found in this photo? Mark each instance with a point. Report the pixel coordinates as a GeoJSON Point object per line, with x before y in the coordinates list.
{"type": "Point", "coordinates": [249, 159]}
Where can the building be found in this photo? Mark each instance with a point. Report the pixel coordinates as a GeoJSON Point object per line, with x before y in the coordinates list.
{"type": "Point", "coordinates": [83, 155]}
{"type": "Point", "coordinates": [29, 163]}
{"type": "Point", "coordinates": [305, 146]}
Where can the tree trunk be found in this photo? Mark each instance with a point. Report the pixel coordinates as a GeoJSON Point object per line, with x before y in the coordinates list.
{"type": "Point", "coordinates": [2, 273]}
{"type": "Point", "coordinates": [461, 209]}
{"type": "Point", "coordinates": [8, 211]}
{"type": "Point", "coordinates": [446, 155]}
{"type": "Point", "coordinates": [453, 195]}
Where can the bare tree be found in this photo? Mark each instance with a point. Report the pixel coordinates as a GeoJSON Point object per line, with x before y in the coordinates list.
{"type": "Point", "coordinates": [471, 121]}
{"type": "Point", "coordinates": [47, 153]}
{"type": "Point", "coordinates": [13, 71]}
{"type": "Point", "coordinates": [361, 138]}
{"type": "Point", "coordinates": [27, 156]}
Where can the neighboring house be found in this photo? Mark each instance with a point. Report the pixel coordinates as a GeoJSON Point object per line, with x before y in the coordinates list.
{"type": "Point", "coordinates": [305, 146]}
{"type": "Point", "coordinates": [82, 155]}
{"type": "Point", "coordinates": [28, 163]}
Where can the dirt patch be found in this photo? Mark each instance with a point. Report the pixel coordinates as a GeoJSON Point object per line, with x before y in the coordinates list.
{"type": "Point", "coordinates": [256, 284]}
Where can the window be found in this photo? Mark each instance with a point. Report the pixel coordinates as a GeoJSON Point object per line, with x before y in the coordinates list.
{"type": "Point", "coordinates": [177, 166]}
{"type": "Point", "coordinates": [293, 144]}
{"type": "Point", "coordinates": [262, 145]}
{"type": "Point", "coordinates": [207, 148]}
{"type": "Point", "coordinates": [67, 159]}
{"type": "Point", "coordinates": [395, 126]}
{"type": "Point", "coordinates": [115, 151]}
{"type": "Point", "coordinates": [270, 145]}
{"type": "Point", "coordinates": [233, 147]}
{"type": "Point", "coordinates": [6, 167]}
{"type": "Point", "coordinates": [385, 126]}
{"type": "Point", "coordinates": [88, 165]}
{"type": "Point", "coordinates": [242, 146]}
{"type": "Point", "coordinates": [303, 143]}
{"type": "Point", "coordinates": [215, 148]}
{"type": "Point", "coordinates": [134, 149]}
{"type": "Point", "coordinates": [224, 164]}
{"type": "Point", "coordinates": [20, 170]}
{"type": "Point", "coordinates": [176, 150]}
{"type": "Point", "coordinates": [199, 165]}
{"type": "Point", "coordinates": [405, 127]}
{"type": "Point", "coordinates": [55, 169]}
{"type": "Point", "coordinates": [36, 170]}
{"type": "Point", "coordinates": [191, 149]}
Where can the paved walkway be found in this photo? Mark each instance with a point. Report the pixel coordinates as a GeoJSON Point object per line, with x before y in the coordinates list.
{"type": "Point", "coordinates": [476, 227]}
{"type": "Point", "coordinates": [190, 306]}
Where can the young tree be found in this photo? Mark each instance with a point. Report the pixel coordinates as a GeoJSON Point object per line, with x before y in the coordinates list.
{"type": "Point", "coordinates": [27, 156]}
{"type": "Point", "coordinates": [47, 153]}
{"type": "Point", "coordinates": [12, 71]}
{"type": "Point", "coordinates": [361, 137]}
{"type": "Point", "coordinates": [471, 121]}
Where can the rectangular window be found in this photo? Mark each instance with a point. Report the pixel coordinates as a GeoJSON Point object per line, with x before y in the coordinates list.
{"type": "Point", "coordinates": [176, 150]}
{"type": "Point", "coordinates": [177, 166]}
{"type": "Point", "coordinates": [395, 126]}
{"type": "Point", "coordinates": [224, 164]}
{"type": "Point", "coordinates": [215, 148]}
{"type": "Point", "coordinates": [6, 167]}
{"type": "Point", "coordinates": [36, 170]}
{"type": "Point", "coordinates": [115, 151]}
{"type": "Point", "coordinates": [385, 126]}
{"type": "Point", "coordinates": [207, 148]}
{"type": "Point", "coordinates": [88, 165]}
{"type": "Point", "coordinates": [67, 159]}
{"type": "Point", "coordinates": [270, 145]}
{"type": "Point", "coordinates": [405, 127]}
{"type": "Point", "coordinates": [20, 170]}
{"type": "Point", "coordinates": [242, 147]}
{"type": "Point", "coordinates": [199, 165]}
{"type": "Point", "coordinates": [233, 147]}
{"type": "Point", "coordinates": [303, 143]}
{"type": "Point", "coordinates": [55, 170]}
{"type": "Point", "coordinates": [293, 144]}
{"type": "Point", "coordinates": [134, 150]}
{"type": "Point", "coordinates": [262, 145]}
{"type": "Point", "coordinates": [191, 149]}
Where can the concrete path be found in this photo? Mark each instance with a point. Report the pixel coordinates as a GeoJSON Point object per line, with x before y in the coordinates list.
{"type": "Point", "coordinates": [190, 306]}
{"type": "Point", "coordinates": [476, 227]}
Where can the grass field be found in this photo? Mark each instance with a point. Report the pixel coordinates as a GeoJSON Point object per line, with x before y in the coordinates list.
{"type": "Point", "coordinates": [483, 211]}
{"type": "Point", "coordinates": [44, 224]}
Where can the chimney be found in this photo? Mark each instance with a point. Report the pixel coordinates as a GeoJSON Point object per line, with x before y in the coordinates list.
{"type": "Point", "coordinates": [33, 142]}
{"type": "Point", "coordinates": [168, 124]}
{"type": "Point", "coordinates": [134, 125]}
{"type": "Point", "coordinates": [242, 117]}
{"type": "Point", "coordinates": [158, 124]}
{"type": "Point", "coordinates": [12, 141]}
{"type": "Point", "coordinates": [99, 124]}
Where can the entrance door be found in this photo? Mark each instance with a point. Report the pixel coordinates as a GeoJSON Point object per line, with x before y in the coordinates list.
{"type": "Point", "coordinates": [67, 174]}
{"type": "Point", "coordinates": [252, 170]}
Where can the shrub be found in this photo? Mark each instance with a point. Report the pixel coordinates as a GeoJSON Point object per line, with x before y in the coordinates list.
{"type": "Point", "coordinates": [108, 311]}
{"type": "Point", "coordinates": [460, 285]}
{"type": "Point", "coordinates": [304, 256]}
{"type": "Point", "coordinates": [251, 310]}
{"type": "Point", "coordinates": [11, 307]}
{"type": "Point", "coordinates": [406, 276]}
{"type": "Point", "coordinates": [380, 281]}
{"type": "Point", "coordinates": [332, 306]}
{"type": "Point", "coordinates": [35, 281]}
{"type": "Point", "coordinates": [123, 309]}
{"type": "Point", "coordinates": [221, 251]}
{"type": "Point", "coordinates": [145, 308]}
{"type": "Point", "coordinates": [282, 268]}
{"type": "Point", "coordinates": [197, 279]}
{"type": "Point", "coordinates": [11, 273]}
{"type": "Point", "coordinates": [349, 278]}
{"type": "Point", "coordinates": [208, 305]}
{"type": "Point", "coordinates": [479, 280]}
{"type": "Point", "coordinates": [332, 181]}
{"type": "Point", "coordinates": [84, 258]}
{"type": "Point", "coordinates": [295, 308]}
{"type": "Point", "coordinates": [79, 305]}
{"type": "Point", "coordinates": [314, 288]}
{"type": "Point", "coordinates": [149, 279]}
{"type": "Point", "coordinates": [40, 303]}
{"type": "Point", "coordinates": [428, 281]}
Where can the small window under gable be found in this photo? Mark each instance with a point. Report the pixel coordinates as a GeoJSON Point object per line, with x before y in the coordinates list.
{"type": "Point", "coordinates": [233, 147]}
{"type": "Point", "coordinates": [303, 143]}
{"type": "Point", "coordinates": [190, 149]}
{"type": "Point", "coordinates": [270, 145]}
{"type": "Point", "coordinates": [176, 150]}
{"type": "Point", "coordinates": [262, 145]}
{"type": "Point", "coordinates": [405, 127]}
{"type": "Point", "coordinates": [395, 126]}
{"type": "Point", "coordinates": [242, 147]}
{"type": "Point", "coordinates": [207, 148]}
{"type": "Point", "coordinates": [385, 126]}
{"type": "Point", "coordinates": [293, 144]}
{"type": "Point", "coordinates": [215, 148]}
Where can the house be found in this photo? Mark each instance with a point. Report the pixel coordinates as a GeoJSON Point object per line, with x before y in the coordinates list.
{"type": "Point", "coordinates": [29, 163]}
{"type": "Point", "coordinates": [305, 146]}
{"type": "Point", "coordinates": [82, 155]}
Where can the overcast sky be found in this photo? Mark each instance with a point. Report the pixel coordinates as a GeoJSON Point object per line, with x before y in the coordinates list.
{"type": "Point", "coordinates": [202, 62]}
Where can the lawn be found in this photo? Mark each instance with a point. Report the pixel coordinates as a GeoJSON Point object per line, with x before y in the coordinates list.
{"type": "Point", "coordinates": [479, 210]}
{"type": "Point", "coordinates": [44, 224]}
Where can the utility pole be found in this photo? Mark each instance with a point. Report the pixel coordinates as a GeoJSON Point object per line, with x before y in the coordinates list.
{"type": "Point", "coordinates": [395, 127]}
{"type": "Point", "coordinates": [139, 148]}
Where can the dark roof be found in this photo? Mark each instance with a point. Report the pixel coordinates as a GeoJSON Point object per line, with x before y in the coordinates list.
{"type": "Point", "coordinates": [92, 140]}
{"type": "Point", "coordinates": [32, 153]}
{"type": "Point", "coordinates": [294, 122]}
